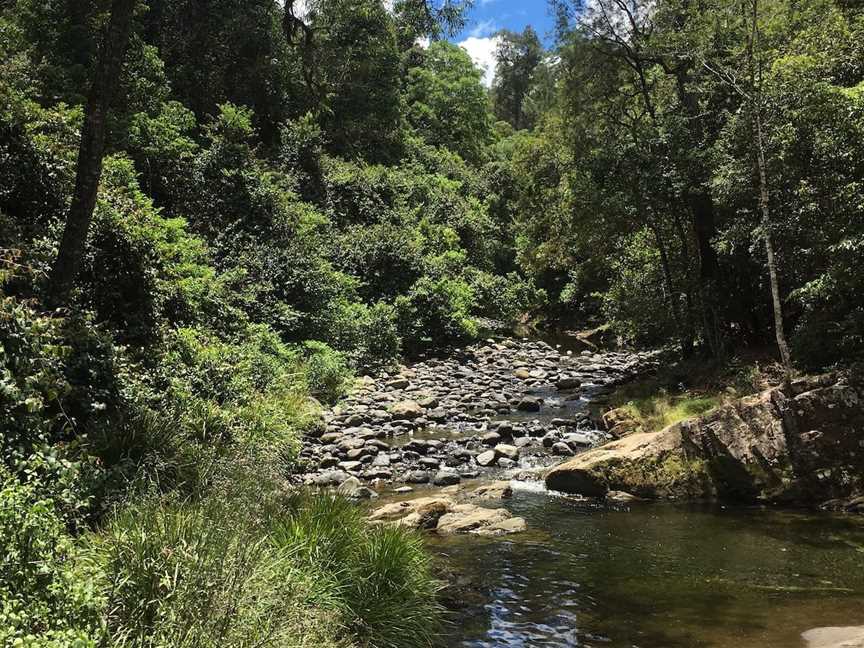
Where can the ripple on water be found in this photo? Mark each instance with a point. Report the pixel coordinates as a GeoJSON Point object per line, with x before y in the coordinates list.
{"type": "Point", "coordinates": [660, 576]}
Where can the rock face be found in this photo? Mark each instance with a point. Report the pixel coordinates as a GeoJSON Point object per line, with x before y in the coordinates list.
{"type": "Point", "coordinates": [801, 444]}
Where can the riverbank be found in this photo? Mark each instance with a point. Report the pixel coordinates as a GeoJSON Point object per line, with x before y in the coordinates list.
{"type": "Point", "coordinates": [797, 444]}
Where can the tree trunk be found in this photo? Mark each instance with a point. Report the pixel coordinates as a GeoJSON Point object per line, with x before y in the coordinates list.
{"type": "Point", "coordinates": [91, 151]}
{"type": "Point", "coordinates": [764, 198]}
{"type": "Point", "coordinates": [779, 330]}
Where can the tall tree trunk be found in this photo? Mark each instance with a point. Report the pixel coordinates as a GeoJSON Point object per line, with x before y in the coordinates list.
{"type": "Point", "coordinates": [91, 151]}
{"type": "Point", "coordinates": [764, 197]}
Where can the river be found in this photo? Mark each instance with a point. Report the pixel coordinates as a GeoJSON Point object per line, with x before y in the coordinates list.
{"type": "Point", "coordinates": [658, 575]}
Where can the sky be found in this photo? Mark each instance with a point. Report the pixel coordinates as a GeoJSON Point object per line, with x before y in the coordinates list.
{"type": "Point", "coordinates": [489, 16]}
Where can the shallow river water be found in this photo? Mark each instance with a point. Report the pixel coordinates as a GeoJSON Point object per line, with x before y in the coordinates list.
{"type": "Point", "coordinates": [658, 576]}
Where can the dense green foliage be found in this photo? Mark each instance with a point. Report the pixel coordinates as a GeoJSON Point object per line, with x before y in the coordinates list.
{"type": "Point", "coordinates": [639, 190]}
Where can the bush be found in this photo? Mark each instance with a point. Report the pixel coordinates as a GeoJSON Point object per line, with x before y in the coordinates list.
{"type": "Point", "coordinates": [43, 600]}
{"type": "Point", "coordinates": [436, 312]}
{"type": "Point", "coordinates": [366, 334]}
{"type": "Point", "coordinates": [326, 371]}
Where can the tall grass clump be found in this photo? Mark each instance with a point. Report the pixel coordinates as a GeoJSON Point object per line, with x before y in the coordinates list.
{"type": "Point", "coordinates": [378, 578]}
{"type": "Point", "coordinates": [199, 575]}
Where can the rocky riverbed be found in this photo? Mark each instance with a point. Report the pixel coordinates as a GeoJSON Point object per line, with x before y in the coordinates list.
{"type": "Point", "coordinates": [501, 408]}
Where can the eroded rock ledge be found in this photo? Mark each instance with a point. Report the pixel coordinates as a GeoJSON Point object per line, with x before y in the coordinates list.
{"type": "Point", "coordinates": [802, 444]}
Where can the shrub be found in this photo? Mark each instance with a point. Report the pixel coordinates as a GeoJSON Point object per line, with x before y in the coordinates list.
{"type": "Point", "coordinates": [326, 371]}
{"type": "Point", "coordinates": [44, 601]}
{"type": "Point", "coordinates": [436, 312]}
{"type": "Point", "coordinates": [367, 335]}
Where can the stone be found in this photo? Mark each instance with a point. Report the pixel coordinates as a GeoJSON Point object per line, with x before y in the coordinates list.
{"type": "Point", "coordinates": [505, 527]}
{"type": "Point", "coordinates": [568, 383]}
{"type": "Point", "coordinates": [398, 383]}
{"type": "Point", "coordinates": [491, 491]}
{"type": "Point", "coordinates": [522, 374]}
{"type": "Point", "coordinates": [348, 486]}
{"type": "Point", "coordinates": [429, 403]}
{"type": "Point", "coordinates": [528, 404]}
{"type": "Point", "coordinates": [576, 438]}
{"type": "Point", "coordinates": [417, 477]}
{"type": "Point", "coordinates": [490, 438]}
{"type": "Point", "coordinates": [486, 458]}
{"type": "Point", "coordinates": [849, 637]}
{"type": "Point", "coordinates": [562, 449]}
{"type": "Point", "coordinates": [381, 461]}
{"type": "Point", "coordinates": [621, 496]}
{"type": "Point", "coordinates": [446, 479]}
{"type": "Point", "coordinates": [350, 466]}
{"type": "Point", "coordinates": [508, 451]}
{"type": "Point", "coordinates": [504, 462]}
{"type": "Point", "coordinates": [406, 410]}
{"type": "Point", "coordinates": [332, 478]}
{"type": "Point", "coordinates": [464, 518]}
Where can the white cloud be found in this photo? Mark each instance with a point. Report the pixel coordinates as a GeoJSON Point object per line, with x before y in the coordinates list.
{"type": "Point", "coordinates": [482, 52]}
{"type": "Point", "coordinates": [483, 29]}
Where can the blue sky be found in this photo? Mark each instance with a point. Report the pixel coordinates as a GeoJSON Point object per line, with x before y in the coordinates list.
{"type": "Point", "coordinates": [489, 16]}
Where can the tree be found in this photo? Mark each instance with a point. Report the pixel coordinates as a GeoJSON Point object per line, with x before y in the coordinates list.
{"type": "Point", "coordinates": [446, 102]}
{"type": "Point", "coordinates": [755, 101]}
{"type": "Point", "coordinates": [517, 56]}
{"type": "Point", "coordinates": [429, 19]}
{"type": "Point", "coordinates": [92, 149]}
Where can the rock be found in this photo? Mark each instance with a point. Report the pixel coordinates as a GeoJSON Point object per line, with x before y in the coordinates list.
{"type": "Point", "coordinates": [492, 491]}
{"type": "Point", "coordinates": [350, 466]}
{"type": "Point", "coordinates": [406, 410]}
{"type": "Point", "coordinates": [332, 478]}
{"type": "Point", "coordinates": [490, 438]}
{"type": "Point", "coordinates": [381, 461]}
{"type": "Point", "coordinates": [362, 493]}
{"type": "Point", "coordinates": [464, 518]}
{"type": "Point", "coordinates": [522, 374]}
{"type": "Point", "coordinates": [429, 403]}
{"type": "Point", "coordinates": [486, 458]}
{"type": "Point", "coordinates": [417, 477]}
{"type": "Point", "coordinates": [621, 496]}
{"type": "Point", "coordinates": [562, 449]}
{"type": "Point", "coordinates": [850, 637]}
{"type": "Point", "coordinates": [800, 444]}
{"type": "Point", "coordinates": [575, 438]}
{"type": "Point", "coordinates": [403, 489]}
{"type": "Point", "coordinates": [508, 451]}
{"type": "Point", "coordinates": [398, 383]}
{"type": "Point", "coordinates": [348, 486]}
{"type": "Point", "coordinates": [505, 527]}
{"type": "Point", "coordinates": [550, 439]}
{"type": "Point", "coordinates": [568, 383]}
{"type": "Point", "coordinates": [528, 404]}
{"type": "Point", "coordinates": [504, 462]}
{"type": "Point", "coordinates": [446, 479]}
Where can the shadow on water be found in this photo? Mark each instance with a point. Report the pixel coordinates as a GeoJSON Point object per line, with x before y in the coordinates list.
{"type": "Point", "coordinates": [659, 576]}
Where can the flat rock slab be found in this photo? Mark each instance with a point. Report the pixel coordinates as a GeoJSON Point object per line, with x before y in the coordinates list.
{"type": "Point", "coordinates": [850, 637]}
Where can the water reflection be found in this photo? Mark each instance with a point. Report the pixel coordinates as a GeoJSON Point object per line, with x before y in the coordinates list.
{"type": "Point", "coordinates": [660, 576]}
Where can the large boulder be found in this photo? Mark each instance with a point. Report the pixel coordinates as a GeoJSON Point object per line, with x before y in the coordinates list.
{"type": "Point", "coordinates": [802, 444]}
